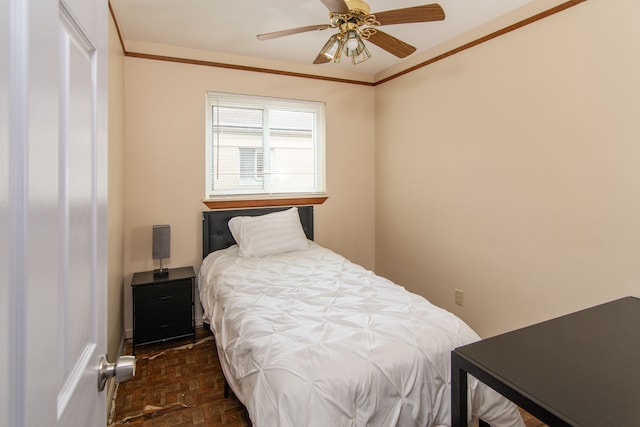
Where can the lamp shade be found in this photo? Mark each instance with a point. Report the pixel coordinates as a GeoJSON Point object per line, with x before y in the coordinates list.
{"type": "Point", "coordinates": [352, 44]}
{"type": "Point", "coordinates": [161, 241]}
{"type": "Point", "coordinates": [361, 56]}
{"type": "Point", "coordinates": [331, 49]}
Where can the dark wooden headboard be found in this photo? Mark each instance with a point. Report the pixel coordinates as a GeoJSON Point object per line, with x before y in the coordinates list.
{"type": "Point", "coordinates": [215, 229]}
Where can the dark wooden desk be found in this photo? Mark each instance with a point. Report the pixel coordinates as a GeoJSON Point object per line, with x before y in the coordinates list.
{"type": "Point", "coordinates": [582, 369]}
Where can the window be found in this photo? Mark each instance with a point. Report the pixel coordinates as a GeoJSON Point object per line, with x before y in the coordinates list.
{"type": "Point", "coordinates": [264, 146]}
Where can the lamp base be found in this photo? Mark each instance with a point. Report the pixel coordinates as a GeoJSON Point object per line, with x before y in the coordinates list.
{"type": "Point", "coordinates": [159, 274]}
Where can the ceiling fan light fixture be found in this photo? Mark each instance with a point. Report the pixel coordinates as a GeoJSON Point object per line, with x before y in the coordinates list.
{"type": "Point", "coordinates": [362, 56]}
{"type": "Point", "coordinates": [332, 50]}
{"type": "Point", "coordinates": [352, 43]}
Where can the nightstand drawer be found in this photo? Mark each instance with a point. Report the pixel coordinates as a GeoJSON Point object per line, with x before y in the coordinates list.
{"type": "Point", "coordinates": [162, 297]}
{"type": "Point", "coordinates": [159, 326]}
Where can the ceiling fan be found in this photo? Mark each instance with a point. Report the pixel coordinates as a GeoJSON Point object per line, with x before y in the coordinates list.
{"type": "Point", "coordinates": [355, 24]}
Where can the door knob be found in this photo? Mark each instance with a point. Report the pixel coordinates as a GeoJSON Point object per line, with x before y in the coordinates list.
{"type": "Point", "coordinates": [123, 369]}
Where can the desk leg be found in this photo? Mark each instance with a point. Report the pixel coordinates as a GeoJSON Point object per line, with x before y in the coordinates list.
{"type": "Point", "coordinates": [458, 393]}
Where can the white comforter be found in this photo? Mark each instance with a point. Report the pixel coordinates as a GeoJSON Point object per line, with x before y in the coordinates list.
{"type": "Point", "coordinates": [308, 338]}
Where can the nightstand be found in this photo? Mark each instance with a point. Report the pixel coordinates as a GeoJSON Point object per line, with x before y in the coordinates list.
{"type": "Point", "coordinates": [163, 308]}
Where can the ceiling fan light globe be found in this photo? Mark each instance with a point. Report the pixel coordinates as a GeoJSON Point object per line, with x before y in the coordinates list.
{"type": "Point", "coordinates": [331, 49]}
{"type": "Point", "coordinates": [362, 56]}
{"type": "Point", "coordinates": [352, 43]}
{"type": "Point", "coordinates": [331, 54]}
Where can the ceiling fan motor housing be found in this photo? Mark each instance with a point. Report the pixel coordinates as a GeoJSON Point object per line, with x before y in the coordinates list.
{"type": "Point", "coordinates": [358, 6]}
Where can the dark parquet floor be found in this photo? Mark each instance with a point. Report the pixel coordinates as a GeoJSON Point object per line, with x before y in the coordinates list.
{"type": "Point", "coordinates": [177, 384]}
{"type": "Point", "coordinates": [181, 384]}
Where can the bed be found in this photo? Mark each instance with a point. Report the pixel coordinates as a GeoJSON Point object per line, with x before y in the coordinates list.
{"type": "Point", "coordinates": [307, 338]}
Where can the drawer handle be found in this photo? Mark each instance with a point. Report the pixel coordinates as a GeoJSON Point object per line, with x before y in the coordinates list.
{"type": "Point", "coordinates": [163, 298]}
{"type": "Point", "coordinates": [163, 326]}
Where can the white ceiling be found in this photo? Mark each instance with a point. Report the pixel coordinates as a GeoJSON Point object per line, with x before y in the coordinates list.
{"type": "Point", "coordinates": [231, 26]}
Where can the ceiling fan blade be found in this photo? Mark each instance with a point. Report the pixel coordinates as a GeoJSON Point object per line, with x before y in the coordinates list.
{"type": "Point", "coordinates": [336, 6]}
{"type": "Point", "coordinates": [321, 59]}
{"type": "Point", "coordinates": [290, 31]}
{"type": "Point", "coordinates": [425, 13]}
{"type": "Point", "coordinates": [391, 44]}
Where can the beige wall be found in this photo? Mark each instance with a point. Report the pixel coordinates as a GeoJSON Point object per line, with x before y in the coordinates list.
{"type": "Point", "coordinates": [164, 159]}
{"type": "Point", "coordinates": [508, 170]}
{"type": "Point", "coordinates": [115, 213]}
{"type": "Point", "coordinates": [512, 170]}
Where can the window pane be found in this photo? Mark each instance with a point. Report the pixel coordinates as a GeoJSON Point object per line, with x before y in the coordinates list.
{"type": "Point", "coordinates": [234, 129]}
{"type": "Point", "coordinates": [250, 167]}
{"type": "Point", "coordinates": [264, 145]}
{"type": "Point", "coordinates": [292, 150]}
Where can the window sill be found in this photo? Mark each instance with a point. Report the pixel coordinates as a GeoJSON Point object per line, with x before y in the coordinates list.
{"type": "Point", "coordinates": [261, 203]}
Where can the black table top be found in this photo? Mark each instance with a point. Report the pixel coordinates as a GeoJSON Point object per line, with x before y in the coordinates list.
{"type": "Point", "coordinates": [584, 367]}
{"type": "Point", "coordinates": [147, 277]}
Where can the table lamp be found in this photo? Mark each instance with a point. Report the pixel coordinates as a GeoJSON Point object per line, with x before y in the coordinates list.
{"type": "Point", "coordinates": [161, 247]}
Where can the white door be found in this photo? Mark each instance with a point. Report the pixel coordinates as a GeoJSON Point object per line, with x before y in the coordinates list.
{"type": "Point", "coordinates": [53, 175]}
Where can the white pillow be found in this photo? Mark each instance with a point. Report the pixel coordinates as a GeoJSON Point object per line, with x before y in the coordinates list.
{"type": "Point", "coordinates": [269, 234]}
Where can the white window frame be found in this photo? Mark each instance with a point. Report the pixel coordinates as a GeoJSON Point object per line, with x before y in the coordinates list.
{"type": "Point", "coordinates": [260, 102]}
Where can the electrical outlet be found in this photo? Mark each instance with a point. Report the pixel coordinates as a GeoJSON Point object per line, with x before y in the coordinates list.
{"type": "Point", "coordinates": [459, 297]}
